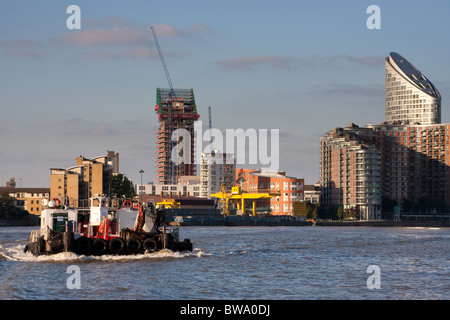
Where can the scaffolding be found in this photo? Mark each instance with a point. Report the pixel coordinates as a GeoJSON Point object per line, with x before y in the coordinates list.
{"type": "Point", "coordinates": [174, 113]}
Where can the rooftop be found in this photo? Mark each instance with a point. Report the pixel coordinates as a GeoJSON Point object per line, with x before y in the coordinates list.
{"type": "Point", "coordinates": [413, 74]}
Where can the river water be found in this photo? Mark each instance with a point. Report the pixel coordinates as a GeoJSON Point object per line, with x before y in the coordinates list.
{"type": "Point", "coordinates": [244, 263]}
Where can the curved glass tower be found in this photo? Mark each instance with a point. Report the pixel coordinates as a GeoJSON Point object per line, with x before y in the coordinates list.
{"type": "Point", "coordinates": [410, 97]}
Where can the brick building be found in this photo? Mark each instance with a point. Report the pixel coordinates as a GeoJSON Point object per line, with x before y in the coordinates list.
{"type": "Point", "coordinates": [289, 188]}
{"type": "Point", "coordinates": [88, 178]}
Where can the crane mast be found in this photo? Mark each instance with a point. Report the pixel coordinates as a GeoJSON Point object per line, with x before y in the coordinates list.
{"type": "Point", "coordinates": [163, 62]}
{"type": "Point", "coordinates": [170, 99]}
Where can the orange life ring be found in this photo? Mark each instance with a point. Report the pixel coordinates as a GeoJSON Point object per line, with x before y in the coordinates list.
{"type": "Point", "coordinates": [127, 201]}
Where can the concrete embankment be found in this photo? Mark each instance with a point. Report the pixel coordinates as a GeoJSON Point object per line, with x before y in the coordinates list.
{"type": "Point", "coordinates": [237, 221]}
{"type": "Point", "coordinates": [383, 223]}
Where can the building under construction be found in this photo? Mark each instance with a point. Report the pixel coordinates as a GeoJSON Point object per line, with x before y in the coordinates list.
{"type": "Point", "coordinates": [175, 111]}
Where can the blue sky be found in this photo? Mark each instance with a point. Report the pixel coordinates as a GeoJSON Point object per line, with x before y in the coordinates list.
{"type": "Point", "coordinates": [300, 67]}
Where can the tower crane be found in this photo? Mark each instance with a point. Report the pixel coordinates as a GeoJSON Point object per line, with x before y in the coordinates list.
{"type": "Point", "coordinates": [163, 62]}
{"type": "Point", "coordinates": [170, 99]}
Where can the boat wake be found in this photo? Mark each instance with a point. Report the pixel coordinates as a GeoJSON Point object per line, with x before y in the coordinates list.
{"type": "Point", "coordinates": [15, 253]}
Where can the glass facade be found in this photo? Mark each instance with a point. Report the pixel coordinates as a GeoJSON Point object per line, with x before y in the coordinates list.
{"type": "Point", "coordinates": [410, 98]}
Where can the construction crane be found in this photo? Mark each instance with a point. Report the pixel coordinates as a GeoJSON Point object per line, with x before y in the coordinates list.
{"type": "Point", "coordinates": [170, 99]}
{"type": "Point", "coordinates": [163, 62]}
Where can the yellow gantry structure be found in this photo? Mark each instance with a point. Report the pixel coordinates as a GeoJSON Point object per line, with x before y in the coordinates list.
{"type": "Point", "coordinates": [169, 204]}
{"type": "Point", "coordinates": [239, 197]}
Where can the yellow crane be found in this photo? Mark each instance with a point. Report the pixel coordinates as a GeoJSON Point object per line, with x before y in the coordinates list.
{"type": "Point", "coordinates": [239, 197]}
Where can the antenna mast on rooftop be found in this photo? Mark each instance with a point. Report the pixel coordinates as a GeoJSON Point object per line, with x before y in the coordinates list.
{"type": "Point", "coordinates": [210, 129]}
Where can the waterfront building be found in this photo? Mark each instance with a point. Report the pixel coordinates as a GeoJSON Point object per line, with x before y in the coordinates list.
{"type": "Point", "coordinates": [412, 145]}
{"type": "Point", "coordinates": [410, 97]}
{"type": "Point", "coordinates": [217, 170]}
{"type": "Point", "coordinates": [416, 163]}
{"type": "Point", "coordinates": [350, 173]}
{"type": "Point", "coordinates": [286, 188]}
{"type": "Point", "coordinates": [29, 199]}
{"type": "Point", "coordinates": [88, 178]}
{"type": "Point", "coordinates": [179, 112]}
{"type": "Point", "coordinates": [312, 192]}
{"type": "Point", "coordinates": [182, 189]}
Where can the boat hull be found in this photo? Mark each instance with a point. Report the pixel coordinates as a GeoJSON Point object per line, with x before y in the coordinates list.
{"type": "Point", "coordinates": [68, 242]}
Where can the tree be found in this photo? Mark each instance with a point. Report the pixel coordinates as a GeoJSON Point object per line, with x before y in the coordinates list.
{"type": "Point", "coordinates": [340, 213]}
{"type": "Point", "coordinates": [8, 208]}
{"type": "Point", "coordinates": [306, 209]}
{"type": "Point", "coordinates": [122, 187]}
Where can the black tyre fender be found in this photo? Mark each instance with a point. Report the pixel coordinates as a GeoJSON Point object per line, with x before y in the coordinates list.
{"type": "Point", "coordinates": [100, 246]}
{"type": "Point", "coordinates": [116, 245]}
{"type": "Point", "coordinates": [134, 245]}
{"type": "Point", "coordinates": [83, 245]}
{"type": "Point", "coordinates": [40, 247]}
{"type": "Point", "coordinates": [150, 245]}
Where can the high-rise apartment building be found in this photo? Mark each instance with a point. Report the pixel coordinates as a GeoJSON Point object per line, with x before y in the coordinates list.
{"type": "Point", "coordinates": [350, 172]}
{"type": "Point", "coordinates": [412, 145]}
{"type": "Point", "coordinates": [216, 170]}
{"type": "Point", "coordinates": [181, 115]}
{"type": "Point", "coordinates": [416, 162]}
{"type": "Point", "coordinates": [410, 97]}
{"type": "Point", "coordinates": [414, 165]}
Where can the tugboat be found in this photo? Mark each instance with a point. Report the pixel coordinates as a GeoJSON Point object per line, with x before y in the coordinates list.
{"type": "Point", "coordinates": [131, 229]}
